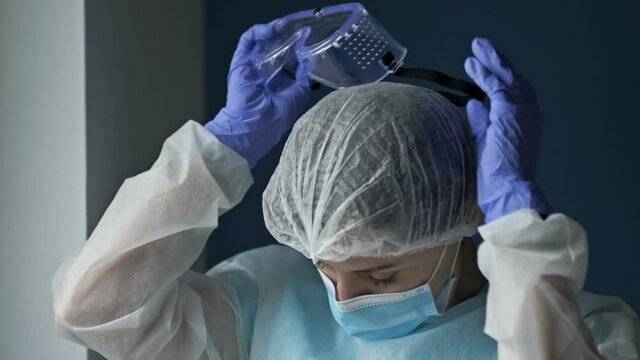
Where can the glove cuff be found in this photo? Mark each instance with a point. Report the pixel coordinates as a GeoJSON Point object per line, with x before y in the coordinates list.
{"type": "Point", "coordinates": [519, 195]}
{"type": "Point", "coordinates": [220, 128]}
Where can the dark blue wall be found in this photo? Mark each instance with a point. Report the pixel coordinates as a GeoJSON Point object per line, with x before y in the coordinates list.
{"type": "Point", "coordinates": [581, 56]}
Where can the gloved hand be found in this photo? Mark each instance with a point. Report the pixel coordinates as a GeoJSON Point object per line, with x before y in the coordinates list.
{"type": "Point", "coordinates": [258, 113]}
{"type": "Point", "coordinates": [507, 135]}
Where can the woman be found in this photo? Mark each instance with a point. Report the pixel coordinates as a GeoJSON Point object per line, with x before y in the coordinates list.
{"type": "Point", "coordinates": [376, 187]}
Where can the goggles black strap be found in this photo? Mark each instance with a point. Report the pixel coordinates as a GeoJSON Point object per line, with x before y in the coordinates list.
{"type": "Point", "coordinates": [463, 86]}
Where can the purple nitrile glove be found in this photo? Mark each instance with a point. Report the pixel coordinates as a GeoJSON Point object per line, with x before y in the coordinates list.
{"type": "Point", "coordinates": [507, 135]}
{"type": "Point", "coordinates": [258, 113]}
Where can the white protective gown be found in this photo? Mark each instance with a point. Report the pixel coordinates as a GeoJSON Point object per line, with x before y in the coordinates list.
{"type": "Point", "coordinates": [129, 293]}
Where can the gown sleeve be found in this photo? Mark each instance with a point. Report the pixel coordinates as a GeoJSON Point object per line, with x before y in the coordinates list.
{"type": "Point", "coordinates": [129, 293]}
{"type": "Point", "coordinates": [536, 269]}
{"type": "Point", "coordinates": [614, 325]}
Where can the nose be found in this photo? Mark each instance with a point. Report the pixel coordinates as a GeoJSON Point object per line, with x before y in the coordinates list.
{"type": "Point", "coordinates": [347, 288]}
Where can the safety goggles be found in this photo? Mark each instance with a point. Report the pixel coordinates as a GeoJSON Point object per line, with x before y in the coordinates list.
{"type": "Point", "coordinates": [343, 45]}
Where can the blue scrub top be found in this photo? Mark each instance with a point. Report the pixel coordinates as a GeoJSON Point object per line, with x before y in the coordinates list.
{"type": "Point", "coordinates": [284, 313]}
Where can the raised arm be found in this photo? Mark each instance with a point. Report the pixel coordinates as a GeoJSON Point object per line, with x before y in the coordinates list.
{"type": "Point", "coordinates": [129, 293]}
{"type": "Point", "coordinates": [534, 266]}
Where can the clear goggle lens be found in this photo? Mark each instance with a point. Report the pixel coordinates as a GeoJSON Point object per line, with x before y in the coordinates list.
{"type": "Point", "coordinates": [342, 45]}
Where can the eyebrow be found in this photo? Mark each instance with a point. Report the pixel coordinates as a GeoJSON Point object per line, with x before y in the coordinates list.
{"type": "Point", "coordinates": [379, 268]}
{"type": "Point", "coordinates": [375, 269]}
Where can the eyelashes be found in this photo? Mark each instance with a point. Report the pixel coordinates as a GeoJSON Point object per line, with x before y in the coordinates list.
{"type": "Point", "coordinates": [382, 282]}
{"type": "Point", "coordinates": [376, 282]}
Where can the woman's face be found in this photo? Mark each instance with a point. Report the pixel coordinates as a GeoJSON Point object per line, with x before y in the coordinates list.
{"type": "Point", "coordinates": [362, 276]}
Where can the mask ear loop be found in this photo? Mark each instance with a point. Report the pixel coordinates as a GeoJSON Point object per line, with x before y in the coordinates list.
{"type": "Point", "coordinates": [440, 259]}
{"type": "Point", "coordinates": [455, 259]}
{"type": "Point", "coordinates": [449, 286]}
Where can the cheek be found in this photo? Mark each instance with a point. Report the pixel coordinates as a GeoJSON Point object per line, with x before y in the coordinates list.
{"type": "Point", "coordinates": [329, 274]}
{"type": "Point", "coordinates": [409, 280]}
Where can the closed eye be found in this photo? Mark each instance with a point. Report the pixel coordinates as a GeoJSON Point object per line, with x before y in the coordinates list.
{"type": "Point", "coordinates": [382, 282]}
{"type": "Point", "coordinates": [375, 281]}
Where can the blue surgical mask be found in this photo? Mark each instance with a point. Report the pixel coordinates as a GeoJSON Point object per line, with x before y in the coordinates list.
{"type": "Point", "coordinates": [392, 315]}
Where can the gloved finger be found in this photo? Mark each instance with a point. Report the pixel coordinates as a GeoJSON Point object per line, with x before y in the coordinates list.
{"type": "Point", "coordinates": [291, 73]}
{"type": "Point", "coordinates": [301, 83]}
{"type": "Point", "coordinates": [296, 95]}
{"type": "Point", "coordinates": [254, 37]}
{"type": "Point", "coordinates": [493, 60]}
{"type": "Point", "coordinates": [278, 28]}
{"type": "Point", "coordinates": [302, 72]}
{"type": "Point", "coordinates": [243, 73]}
{"type": "Point", "coordinates": [245, 86]}
{"type": "Point", "coordinates": [478, 116]}
{"type": "Point", "coordinates": [485, 79]}
{"type": "Point", "coordinates": [281, 80]}
{"type": "Point", "coordinates": [258, 32]}
{"type": "Point", "coordinates": [249, 39]}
